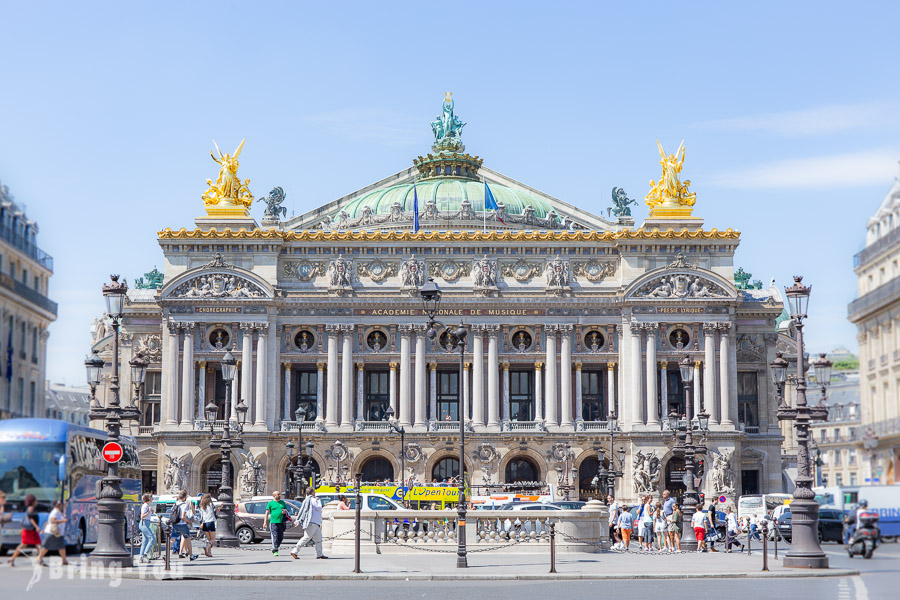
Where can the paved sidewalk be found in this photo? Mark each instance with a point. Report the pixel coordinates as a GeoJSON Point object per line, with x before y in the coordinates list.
{"type": "Point", "coordinates": [259, 564]}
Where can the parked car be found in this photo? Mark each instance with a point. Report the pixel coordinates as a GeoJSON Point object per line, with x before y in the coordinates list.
{"type": "Point", "coordinates": [831, 525]}
{"type": "Point", "coordinates": [569, 504]}
{"type": "Point", "coordinates": [250, 515]}
{"type": "Point", "coordinates": [530, 506]}
{"type": "Point", "coordinates": [370, 501]}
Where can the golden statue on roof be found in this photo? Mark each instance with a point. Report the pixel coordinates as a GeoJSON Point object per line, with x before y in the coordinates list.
{"type": "Point", "coordinates": [670, 192]}
{"type": "Point", "coordinates": [228, 188]}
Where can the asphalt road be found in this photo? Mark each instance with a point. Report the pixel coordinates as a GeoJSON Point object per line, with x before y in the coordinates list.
{"type": "Point", "coordinates": [880, 579]}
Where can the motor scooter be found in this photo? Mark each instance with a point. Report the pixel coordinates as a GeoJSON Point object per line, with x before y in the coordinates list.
{"type": "Point", "coordinates": [865, 538]}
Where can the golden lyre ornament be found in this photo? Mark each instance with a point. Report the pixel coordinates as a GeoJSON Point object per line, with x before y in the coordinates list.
{"type": "Point", "coordinates": [670, 194]}
{"type": "Point", "coordinates": [228, 188]}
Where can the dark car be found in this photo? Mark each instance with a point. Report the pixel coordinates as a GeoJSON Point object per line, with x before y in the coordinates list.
{"type": "Point", "coordinates": [569, 504]}
{"type": "Point", "coordinates": [831, 525]}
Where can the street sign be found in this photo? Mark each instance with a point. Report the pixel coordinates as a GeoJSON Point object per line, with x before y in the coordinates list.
{"type": "Point", "coordinates": [722, 499]}
{"type": "Point", "coordinates": [112, 452]}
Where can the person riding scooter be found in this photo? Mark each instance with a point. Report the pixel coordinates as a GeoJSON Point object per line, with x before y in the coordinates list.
{"type": "Point", "coordinates": [864, 539]}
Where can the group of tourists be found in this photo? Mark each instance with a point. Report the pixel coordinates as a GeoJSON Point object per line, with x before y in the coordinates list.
{"type": "Point", "coordinates": [657, 526]}
{"type": "Point", "coordinates": [182, 515]}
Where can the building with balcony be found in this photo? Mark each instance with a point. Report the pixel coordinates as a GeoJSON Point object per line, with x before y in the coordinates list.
{"type": "Point", "coordinates": [835, 442]}
{"type": "Point", "coordinates": [25, 312]}
{"type": "Point", "coordinates": [570, 315]}
{"type": "Point", "coordinates": [876, 314]}
{"type": "Point", "coordinates": [68, 403]}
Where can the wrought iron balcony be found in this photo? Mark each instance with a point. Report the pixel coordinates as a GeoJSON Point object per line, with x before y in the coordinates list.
{"type": "Point", "coordinates": [22, 244]}
{"type": "Point", "coordinates": [27, 293]}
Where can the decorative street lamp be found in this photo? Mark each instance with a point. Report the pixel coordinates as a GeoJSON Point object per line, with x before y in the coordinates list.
{"type": "Point", "coordinates": [110, 549]}
{"type": "Point", "coordinates": [822, 367]}
{"type": "Point", "coordinates": [392, 423]}
{"type": "Point", "coordinates": [614, 472]}
{"type": "Point", "coordinates": [431, 299]}
{"type": "Point", "coordinates": [297, 466]}
{"type": "Point", "coordinates": [805, 551]}
{"type": "Point", "coordinates": [687, 448]}
{"type": "Point", "coordinates": [138, 366]}
{"type": "Point", "coordinates": [225, 444]}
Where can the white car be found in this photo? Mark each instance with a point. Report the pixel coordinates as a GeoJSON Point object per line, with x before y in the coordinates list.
{"type": "Point", "coordinates": [371, 502]}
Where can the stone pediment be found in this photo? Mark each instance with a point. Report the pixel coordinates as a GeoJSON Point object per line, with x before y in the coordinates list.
{"type": "Point", "coordinates": [681, 283]}
{"type": "Point", "coordinates": [217, 280]}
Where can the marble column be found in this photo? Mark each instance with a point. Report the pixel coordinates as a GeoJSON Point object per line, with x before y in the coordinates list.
{"type": "Point", "coordinates": [261, 378]}
{"type": "Point", "coordinates": [320, 389]}
{"type": "Point", "coordinates": [392, 385]}
{"type": "Point", "coordinates": [637, 412]}
{"type": "Point", "coordinates": [347, 377]}
{"type": "Point", "coordinates": [360, 391]}
{"type": "Point", "coordinates": [505, 413]}
{"type": "Point", "coordinates": [538, 392]}
{"type": "Point", "coordinates": [467, 404]}
{"type": "Point", "coordinates": [331, 402]}
{"type": "Point", "coordinates": [709, 374]}
{"type": "Point", "coordinates": [550, 382]}
{"type": "Point", "coordinates": [493, 376]}
{"type": "Point", "coordinates": [201, 384]}
{"type": "Point", "coordinates": [696, 388]}
{"type": "Point", "coordinates": [232, 416]}
{"type": "Point", "coordinates": [246, 365]}
{"type": "Point", "coordinates": [477, 375]}
{"type": "Point", "coordinates": [171, 390]}
{"type": "Point", "coordinates": [727, 418]}
{"type": "Point", "coordinates": [623, 397]}
{"type": "Point", "coordinates": [286, 399]}
{"type": "Point", "coordinates": [565, 372]}
{"type": "Point", "coordinates": [610, 390]}
{"type": "Point", "coordinates": [579, 399]}
{"type": "Point", "coordinates": [187, 377]}
{"type": "Point", "coordinates": [405, 368]}
{"type": "Point", "coordinates": [420, 381]}
{"type": "Point", "coordinates": [652, 404]}
{"type": "Point", "coordinates": [432, 388]}
{"type": "Point", "coordinates": [664, 389]}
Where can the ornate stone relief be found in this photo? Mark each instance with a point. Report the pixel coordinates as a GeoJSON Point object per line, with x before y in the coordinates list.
{"type": "Point", "coordinates": [750, 348]}
{"type": "Point", "coordinates": [593, 269]}
{"type": "Point", "coordinates": [304, 270]}
{"type": "Point", "coordinates": [646, 472]}
{"type": "Point", "coordinates": [679, 286]}
{"type": "Point", "coordinates": [376, 270]}
{"type": "Point", "coordinates": [218, 285]}
{"type": "Point", "coordinates": [150, 346]}
{"type": "Point", "coordinates": [252, 475]}
{"type": "Point", "coordinates": [449, 270]}
{"type": "Point", "coordinates": [484, 275]}
{"type": "Point", "coordinates": [414, 453]}
{"type": "Point", "coordinates": [175, 476]}
{"type": "Point", "coordinates": [680, 263]}
{"type": "Point", "coordinates": [556, 274]}
{"type": "Point", "coordinates": [521, 270]}
{"type": "Point", "coordinates": [340, 275]}
{"type": "Point", "coordinates": [218, 262]}
{"type": "Point", "coordinates": [412, 273]}
{"type": "Point", "coordinates": [722, 473]}
{"type": "Point", "coordinates": [488, 456]}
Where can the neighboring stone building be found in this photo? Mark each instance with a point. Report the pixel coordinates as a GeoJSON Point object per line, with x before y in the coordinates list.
{"type": "Point", "coordinates": [69, 404]}
{"type": "Point", "coordinates": [25, 312]}
{"type": "Point", "coordinates": [876, 314]}
{"type": "Point", "coordinates": [571, 316]}
{"type": "Point", "coordinates": [836, 439]}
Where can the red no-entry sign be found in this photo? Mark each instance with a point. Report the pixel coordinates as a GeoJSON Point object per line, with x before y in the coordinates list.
{"type": "Point", "coordinates": [112, 452]}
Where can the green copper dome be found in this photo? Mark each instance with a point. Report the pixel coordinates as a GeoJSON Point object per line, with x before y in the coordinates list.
{"type": "Point", "coordinates": [448, 194]}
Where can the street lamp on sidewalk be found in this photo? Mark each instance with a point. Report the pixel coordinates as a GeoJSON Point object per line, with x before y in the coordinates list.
{"type": "Point", "coordinates": [110, 549]}
{"type": "Point", "coordinates": [614, 472]}
{"type": "Point", "coordinates": [392, 423]}
{"type": "Point", "coordinates": [805, 551]}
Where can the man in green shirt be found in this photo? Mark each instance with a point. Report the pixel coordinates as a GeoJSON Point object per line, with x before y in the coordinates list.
{"type": "Point", "coordinates": [276, 511]}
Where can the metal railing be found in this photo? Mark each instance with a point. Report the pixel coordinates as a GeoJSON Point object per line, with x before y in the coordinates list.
{"type": "Point", "coordinates": [868, 302]}
{"type": "Point", "coordinates": [21, 243]}
{"type": "Point", "coordinates": [879, 428]}
{"type": "Point", "coordinates": [876, 247]}
{"type": "Point", "coordinates": [36, 298]}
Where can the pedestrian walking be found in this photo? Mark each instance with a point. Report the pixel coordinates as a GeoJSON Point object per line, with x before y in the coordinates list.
{"type": "Point", "coordinates": [311, 520]}
{"type": "Point", "coordinates": [614, 538]}
{"type": "Point", "coordinates": [30, 529]}
{"type": "Point", "coordinates": [208, 522]}
{"type": "Point", "coordinates": [698, 522]}
{"type": "Point", "coordinates": [676, 527]}
{"type": "Point", "coordinates": [274, 519]}
{"type": "Point", "coordinates": [731, 531]}
{"type": "Point", "coordinates": [182, 517]}
{"type": "Point", "coordinates": [53, 537]}
{"type": "Point", "coordinates": [754, 528]}
{"type": "Point", "coordinates": [659, 528]}
{"type": "Point", "coordinates": [712, 518]}
{"type": "Point", "coordinates": [645, 524]}
{"type": "Point", "coordinates": [148, 538]}
{"type": "Point", "coordinates": [626, 522]}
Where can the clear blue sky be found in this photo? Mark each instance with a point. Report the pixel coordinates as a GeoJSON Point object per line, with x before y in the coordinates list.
{"type": "Point", "coordinates": [789, 111]}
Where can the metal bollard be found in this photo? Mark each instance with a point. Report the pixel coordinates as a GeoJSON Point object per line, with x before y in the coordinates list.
{"type": "Point", "coordinates": [164, 533]}
{"type": "Point", "coordinates": [553, 547]}
{"type": "Point", "coordinates": [765, 545]}
{"type": "Point", "coordinates": [775, 537]}
{"type": "Point", "coordinates": [356, 542]}
{"type": "Point", "coordinates": [749, 540]}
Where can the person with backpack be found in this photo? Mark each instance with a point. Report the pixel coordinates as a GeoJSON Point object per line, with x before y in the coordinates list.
{"type": "Point", "coordinates": [181, 517]}
{"type": "Point", "coordinates": [30, 529]}
{"type": "Point", "coordinates": [208, 523]}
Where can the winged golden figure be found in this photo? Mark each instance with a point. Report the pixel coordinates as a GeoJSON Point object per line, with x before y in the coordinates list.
{"type": "Point", "coordinates": [228, 186]}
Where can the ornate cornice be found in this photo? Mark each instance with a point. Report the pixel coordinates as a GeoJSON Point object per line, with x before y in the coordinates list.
{"type": "Point", "coordinates": [444, 236]}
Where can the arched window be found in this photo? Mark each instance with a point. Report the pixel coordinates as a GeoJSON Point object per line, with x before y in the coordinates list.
{"type": "Point", "coordinates": [446, 468]}
{"type": "Point", "coordinates": [377, 469]}
{"type": "Point", "coordinates": [521, 469]}
{"type": "Point", "coordinates": [586, 473]}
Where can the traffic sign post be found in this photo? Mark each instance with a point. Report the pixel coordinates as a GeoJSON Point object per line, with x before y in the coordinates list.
{"type": "Point", "coordinates": [112, 452]}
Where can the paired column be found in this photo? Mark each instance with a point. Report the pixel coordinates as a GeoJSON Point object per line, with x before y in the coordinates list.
{"type": "Point", "coordinates": [505, 413]}
{"type": "Point", "coordinates": [579, 400]}
{"type": "Point", "coordinates": [493, 384]}
{"type": "Point", "coordinates": [201, 400]}
{"type": "Point", "coordinates": [320, 388]}
{"type": "Point", "coordinates": [286, 400]}
{"type": "Point", "coordinates": [652, 404]}
{"type": "Point", "coordinates": [622, 382]}
{"type": "Point", "coordinates": [360, 391]}
{"type": "Point", "coordinates": [421, 397]}
{"type": "Point", "coordinates": [565, 332]}
{"type": "Point", "coordinates": [637, 413]}
{"type": "Point", "coordinates": [477, 332]}
{"type": "Point", "coordinates": [664, 388]}
{"type": "Point", "coordinates": [727, 418]}
{"type": "Point", "coordinates": [246, 366]}
{"type": "Point", "coordinates": [261, 375]}
{"type": "Point", "coordinates": [709, 374]}
{"type": "Point", "coordinates": [550, 388]}
{"type": "Point", "coordinates": [171, 390]}
{"type": "Point", "coordinates": [187, 377]}
{"type": "Point", "coordinates": [405, 404]}
{"type": "Point", "coordinates": [696, 388]}
{"type": "Point", "coordinates": [331, 402]}
{"type": "Point", "coordinates": [610, 390]}
{"type": "Point", "coordinates": [432, 385]}
{"type": "Point", "coordinates": [347, 377]}
{"type": "Point", "coordinates": [538, 392]}
{"type": "Point", "coordinates": [232, 416]}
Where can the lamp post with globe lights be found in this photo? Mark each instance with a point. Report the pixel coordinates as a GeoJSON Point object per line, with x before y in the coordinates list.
{"type": "Point", "coordinates": [110, 549]}
{"type": "Point", "coordinates": [392, 423]}
{"type": "Point", "coordinates": [431, 299]}
{"type": "Point", "coordinates": [805, 551]}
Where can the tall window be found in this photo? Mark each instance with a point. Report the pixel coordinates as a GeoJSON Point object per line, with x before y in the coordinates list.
{"type": "Point", "coordinates": [22, 341]}
{"type": "Point", "coordinates": [448, 396]}
{"type": "Point", "coordinates": [377, 395]}
{"type": "Point", "coordinates": [521, 469]}
{"type": "Point", "coordinates": [305, 392]}
{"type": "Point", "coordinates": [674, 393]}
{"type": "Point", "coordinates": [20, 396]}
{"type": "Point", "coordinates": [33, 399]}
{"type": "Point", "coordinates": [521, 395]}
{"type": "Point", "coordinates": [748, 398]}
{"type": "Point", "coordinates": [150, 402]}
{"type": "Point", "coordinates": [592, 408]}
{"type": "Point", "coordinates": [446, 468]}
{"type": "Point", "coordinates": [34, 345]}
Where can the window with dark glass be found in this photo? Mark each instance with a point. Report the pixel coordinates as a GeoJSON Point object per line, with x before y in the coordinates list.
{"type": "Point", "coordinates": [34, 345]}
{"type": "Point", "coordinates": [150, 403]}
{"type": "Point", "coordinates": [305, 392]}
{"type": "Point", "coordinates": [446, 468]}
{"type": "Point", "coordinates": [521, 469]}
{"type": "Point", "coordinates": [521, 395]}
{"type": "Point", "coordinates": [377, 395]}
{"type": "Point", "coordinates": [674, 394]}
{"type": "Point", "coordinates": [448, 396]}
{"type": "Point", "coordinates": [592, 405]}
{"type": "Point", "coordinates": [748, 398]}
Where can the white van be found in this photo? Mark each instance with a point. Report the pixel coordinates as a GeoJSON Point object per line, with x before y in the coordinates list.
{"type": "Point", "coordinates": [761, 505]}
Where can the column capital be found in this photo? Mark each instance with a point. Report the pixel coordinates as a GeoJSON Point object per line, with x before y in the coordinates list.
{"type": "Point", "coordinates": [698, 364]}
{"type": "Point", "coordinates": [320, 366]}
{"type": "Point", "coordinates": [467, 366]}
{"type": "Point", "coordinates": [663, 364]}
{"type": "Point", "coordinates": [723, 327]}
{"type": "Point", "coordinates": [650, 326]}
{"type": "Point", "coordinates": [406, 328]}
{"type": "Point", "coordinates": [188, 327]}
{"type": "Point", "coordinates": [551, 328]}
{"type": "Point", "coordinates": [261, 328]}
{"type": "Point", "coordinates": [566, 328]}
{"type": "Point", "coordinates": [346, 328]}
{"type": "Point", "coordinates": [332, 328]}
{"type": "Point", "coordinates": [709, 328]}
{"type": "Point", "coordinates": [505, 366]}
{"type": "Point", "coordinates": [578, 366]}
{"type": "Point", "coordinates": [246, 327]}
{"type": "Point", "coordinates": [202, 364]}
{"type": "Point", "coordinates": [538, 365]}
{"type": "Point", "coordinates": [173, 326]}
{"type": "Point", "coordinates": [287, 366]}
{"type": "Point", "coordinates": [611, 366]}
{"type": "Point", "coordinates": [393, 366]}
{"type": "Point", "coordinates": [432, 366]}
{"type": "Point", "coordinates": [361, 366]}
{"type": "Point", "coordinates": [492, 328]}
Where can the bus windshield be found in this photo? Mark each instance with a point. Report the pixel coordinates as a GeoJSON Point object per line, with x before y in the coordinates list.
{"type": "Point", "coordinates": [30, 468]}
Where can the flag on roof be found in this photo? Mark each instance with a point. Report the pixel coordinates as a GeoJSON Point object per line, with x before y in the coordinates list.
{"type": "Point", "coordinates": [490, 203]}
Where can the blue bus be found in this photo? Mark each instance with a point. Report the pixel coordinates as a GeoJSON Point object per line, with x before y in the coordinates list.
{"type": "Point", "coordinates": [55, 460]}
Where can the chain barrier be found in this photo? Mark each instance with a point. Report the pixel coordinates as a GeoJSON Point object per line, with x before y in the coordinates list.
{"type": "Point", "coordinates": [454, 550]}
{"type": "Point", "coordinates": [269, 548]}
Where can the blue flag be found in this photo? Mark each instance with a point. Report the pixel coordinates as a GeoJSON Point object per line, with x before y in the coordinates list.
{"type": "Point", "coordinates": [415, 210]}
{"type": "Point", "coordinates": [9, 358]}
{"type": "Point", "coordinates": [490, 203]}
